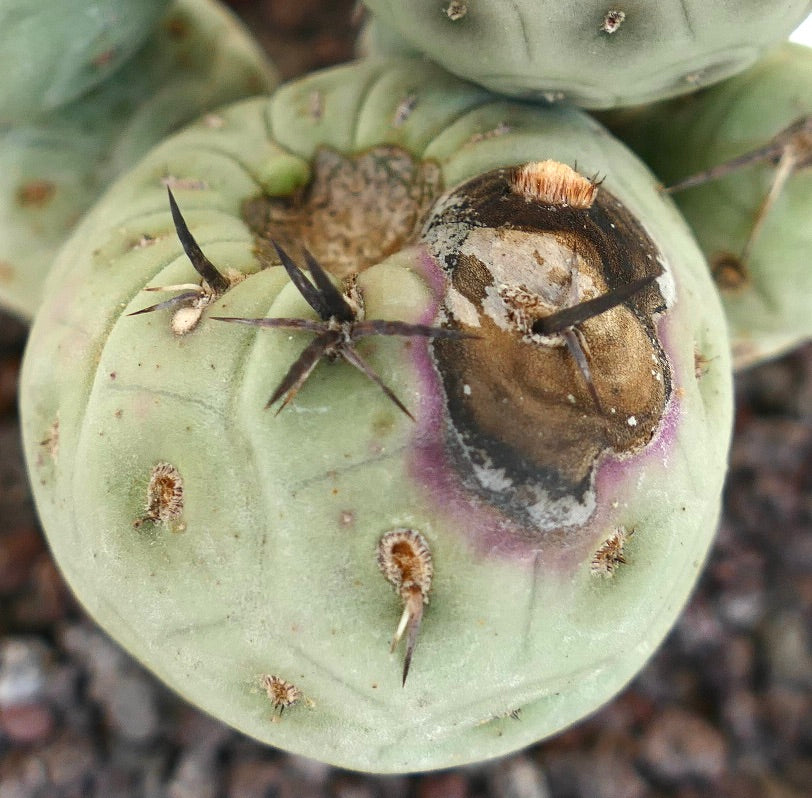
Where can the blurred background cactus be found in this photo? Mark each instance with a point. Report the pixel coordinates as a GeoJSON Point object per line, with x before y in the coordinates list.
{"type": "Point", "coordinates": [196, 57]}
{"type": "Point", "coordinates": [56, 52]}
{"type": "Point", "coordinates": [594, 53]}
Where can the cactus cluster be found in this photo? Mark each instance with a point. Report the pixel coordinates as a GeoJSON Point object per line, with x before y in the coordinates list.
{"type": "Point", "coordinates": [386, 418]}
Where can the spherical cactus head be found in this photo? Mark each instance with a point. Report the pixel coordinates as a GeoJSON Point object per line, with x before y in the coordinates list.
{"type": "Point", "coordinates": [52, 169]}
{"type": "Point", "coordinates": [392, 430]}
{"type": "Point", "coordinates": [736, 158]}
{"type": "Point", "coordinates": [589, 52]}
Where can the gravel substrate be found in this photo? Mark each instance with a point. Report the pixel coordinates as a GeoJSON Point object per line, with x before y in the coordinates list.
{"type": "Point", "coordinates": [723, 709]}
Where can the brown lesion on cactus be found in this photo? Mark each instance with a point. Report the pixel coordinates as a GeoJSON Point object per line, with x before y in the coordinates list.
{"type": "Point", "coordinates": [384, 190]}
{"type": "Point", "coordinates": [610, 554]}
{"type": "Point", "coordinates": [701, 364]}
{"type": "Point", "coordinates": [36, 193]}
{"type": "Point", "coordinates": [508, 714]}
{"type": "Point", "coordinates": [193, 298]}
{"type": "Point", "coordinates": [164, 503]}
{"type": "Point", "coordinates": [405, 560]}
{"type": "Point", "coordinates": [177, 27]}
{"type": "Point", "coordinates": [281, 693]}
{"type": "Point", "coordinates": [6, 272]}
{"type": "Point", "coordinates": [104, 59]}
{"type": "Point", "coordinates": [50, 443]}
{"type": "Point", "coordinates": [562, 291]}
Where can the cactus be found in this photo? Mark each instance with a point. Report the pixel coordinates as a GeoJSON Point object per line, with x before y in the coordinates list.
{"type": "Point", "coordinates": [51, 171]}
{"type": "Point", "coordinates": [738, 157]}
{"type": "Point", "coordinates": [592, 53]}
{"type": "Point", "coordinates": [56, 52]}
{"type": "Point", "coordinates": [410, 464]}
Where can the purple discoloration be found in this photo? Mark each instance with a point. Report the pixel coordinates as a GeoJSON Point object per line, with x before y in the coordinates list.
{"type": "Point", "coordinates": [486, 529]}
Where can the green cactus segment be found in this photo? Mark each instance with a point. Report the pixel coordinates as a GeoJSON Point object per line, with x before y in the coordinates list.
{"type": "Point", "coordinates": [52, 53]}
{"type": "Point", "coordinates": [590, 52]}
{"type": "Point", "coordinates": [51, 171]}
{"type": "Point", "coordinates": [763, 274]}
{"type": "Point", "coordinates": [238, 553]}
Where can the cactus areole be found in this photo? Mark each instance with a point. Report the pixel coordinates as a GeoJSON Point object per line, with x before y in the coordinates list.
{"type": "Point", "coordinates": [382, 435]}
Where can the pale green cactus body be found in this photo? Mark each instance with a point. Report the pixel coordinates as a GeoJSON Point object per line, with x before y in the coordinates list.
{"type": "Point", "coordinates": [52, 53]}
{"type": "Point", "coordinates": [594, 53]}
{"type": "Point", "coordinates": [260, 590]}
{"type": "Point", "coordinates": [198, 58]}
{"type": "Point", "coordinates": [760, 260]}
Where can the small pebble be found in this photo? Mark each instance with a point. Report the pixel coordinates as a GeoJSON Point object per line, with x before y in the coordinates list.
{"type": "Point", "coordinates": [518, 777]}
{"type": "Point", "coordinates": [27, 724]}
{"type": "Point", "coordinates": [253, 776]}
{"type": "Point", "coordinates": [448, 784]}
{"type": "Point", "coordinates": [23, 665]}
{"type": "Point", "coordinates": [196, 776]}
{"type": "Point", "coordinates": [679, 745]}
{"type": "Point", "coordinates": [131, 707]}
{"type": "Point", "coordinates": [19, 549]}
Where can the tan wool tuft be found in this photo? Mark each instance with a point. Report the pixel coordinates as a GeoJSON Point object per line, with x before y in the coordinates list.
{"type": "Point", "coordinates": [553, 183]}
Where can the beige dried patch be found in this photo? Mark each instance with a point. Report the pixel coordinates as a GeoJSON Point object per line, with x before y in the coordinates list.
{"type": "Point", "coordinates": [164, 496]}
{"type": "Point", "coordinates": [6, 272]}
{"type": "Point", "coordinates": [281, 693]}
{"type": "Point", "coordinates": [701, 364]}
{"type": "Point", "coordinates": [214, 121]}
{"type": "Point", "coordinates": [315, 105]}
{"type": "Point", "coordinates": [51, 441]}
{"type": "Point", "coordinates": [553, 183]}
{"type": "Point", "coordinates": [184, 183]}
{"type": "Point", "coordinates": [609, 555]}
{"type": "Point", "coordinates": [404, 110]}
{"type": "Point", "coordinates": [502, 129]}
{"type": "Point", "coordinates": [355, 211]}
{"type": "Point", "coordinates": [143, 241]}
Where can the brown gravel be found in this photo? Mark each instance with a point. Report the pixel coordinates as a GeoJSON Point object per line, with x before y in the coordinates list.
{"type": "Point", "coordinates": [723, 710]}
